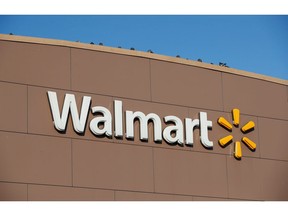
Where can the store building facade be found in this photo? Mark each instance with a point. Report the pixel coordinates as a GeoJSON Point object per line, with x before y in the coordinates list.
{"type": "Point", "coordinates": [89, 122]}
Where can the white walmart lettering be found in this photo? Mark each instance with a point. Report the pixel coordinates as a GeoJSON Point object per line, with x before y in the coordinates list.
{"type": "Point", "coordinates": [172, 134]}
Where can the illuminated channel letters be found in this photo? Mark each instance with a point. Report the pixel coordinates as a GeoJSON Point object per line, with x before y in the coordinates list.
{"type": "Point", "coordinates": [60, 121]}
{"type": "Point", "coordinates": [175, 132]}
{"type": "Point", "coordinates": [172, 134]}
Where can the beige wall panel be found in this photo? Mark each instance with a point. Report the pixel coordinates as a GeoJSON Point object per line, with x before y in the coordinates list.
{"type": "Point", "coordinates": [198, 198]}
{"type": "Point", "coordinates": [110, 74]}
{"type": "Point", "coordinates": [35, 159]}
{"type": "Point", "coordinates": [39, 163]}
{"type": "Point", "coordinates": [40, 120]}
{"type": "Point", "coordinates": [244, 179]}
{"type": "Point", "coordinates": [274, 179]}
{"type": "Point", "coordinates": [13, 107]}
{"type": "Point", "coordinates": [255, 97]}
{"type": "Point", "coordinates": [55, 193]}
{"type": "Point", "coordinates": [219, 132]}
{"type": "Point", "coordinates": [35, 64]}
{"type": "Point", "coordinates": [257, 179]}
{"type": "Point", "coordinates": [136, 196]}
{"type": "Point", "coordinates": [161, 110]}
{"type": "Point", "coordinates": [13, 192]}
{"type": "Point", "coordinates": [273, 138]}
{"type": "Point", "coordinates": [191, 173]}
{"type": "Point", "coordinates": [185, 85]}
{"type": "Point", "coordinates": [112, 166]}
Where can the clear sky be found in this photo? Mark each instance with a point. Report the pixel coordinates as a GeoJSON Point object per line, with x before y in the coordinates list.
{"type": "Point", "coordinates": [253, 43]}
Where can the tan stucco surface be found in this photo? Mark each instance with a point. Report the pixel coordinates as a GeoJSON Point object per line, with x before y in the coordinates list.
{"type": "Point", "coordinates": [39, 163]}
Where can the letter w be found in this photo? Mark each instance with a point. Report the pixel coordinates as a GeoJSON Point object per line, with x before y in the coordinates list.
{"type": "Point", "coordinates": [69, 104]}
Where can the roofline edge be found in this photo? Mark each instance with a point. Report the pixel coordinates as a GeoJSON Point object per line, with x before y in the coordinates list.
{"type": "Point", "coordinates": [142, 54]}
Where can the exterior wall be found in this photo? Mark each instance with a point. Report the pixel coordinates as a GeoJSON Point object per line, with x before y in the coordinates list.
{"type": "Point", "coordinates": [39, 163]}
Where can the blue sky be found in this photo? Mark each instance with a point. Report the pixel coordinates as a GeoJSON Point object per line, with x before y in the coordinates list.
{"type": "Point", "coordinates": [253, 43]}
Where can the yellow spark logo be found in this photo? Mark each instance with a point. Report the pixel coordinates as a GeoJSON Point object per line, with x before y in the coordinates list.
{"type": "Point", "coordinates": [245, 129]}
